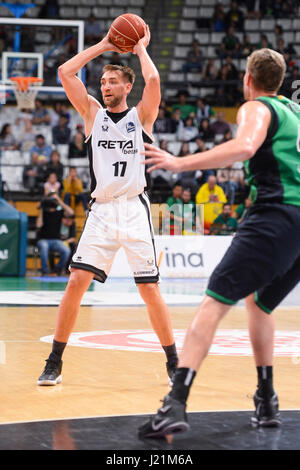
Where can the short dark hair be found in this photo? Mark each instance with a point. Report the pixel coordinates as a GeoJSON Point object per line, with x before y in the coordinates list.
{"type": "Point", "coordinates": [127, 72]}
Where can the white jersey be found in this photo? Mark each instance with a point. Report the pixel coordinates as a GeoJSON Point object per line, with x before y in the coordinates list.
{"type": "Point", "coordinates": [115, 156]}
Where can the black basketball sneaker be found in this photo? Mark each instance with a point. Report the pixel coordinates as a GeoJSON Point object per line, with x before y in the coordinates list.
{"type": "Point", "coordinates": [266, 411]}
{"type": "Point", "coordinates": [171, 418]}
{"type": "Point", "coordinates": [51, 374]}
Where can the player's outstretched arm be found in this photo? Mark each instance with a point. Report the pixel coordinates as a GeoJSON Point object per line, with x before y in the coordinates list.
{"type": "Point", "coordinates": [253, 123]}
{"type": "Point", "coordinates": [148, 106]}
{"type": "Point", "coordinates": [73, 86]}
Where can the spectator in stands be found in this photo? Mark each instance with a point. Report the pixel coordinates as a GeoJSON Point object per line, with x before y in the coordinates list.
{"type": "Point", "coordinates": [283, 9]}
{"type": "Point", "coordinates": [234, 17]}
{"type": "Point", "coordinates": [92, 31]}
{"type": "Point", "coordinates": [227, 136]}
{"type": "Point", "coordinates": [188, 179]}
{"type": "Point", "coordinates": [230, 44]}
{"type": "Point", "coordinates": [65, 110]}
{"type": "Point", "coordinates": [203, 110]}
{"type": "Point", "coordinates": [246, 46]}
{"type": "Point", "coordinates": [224, 224]}
{"type": "Point", "coordinates": [205, 131]}
{"type": "Point", "coordinates": [227, 179]}
{"type": "Point", "coordinates": [61, 133]}
{"type": "Point", "coordinates": [194, 60]}
{"type": "Point", "coordinates": [176, 121]}
{"type": "Point", "coordinates": [34, 174]}
{"type": "Point", "coordinates": [163, 124]}
{"type": "Point", "coordinates": [55, 113]}
{"type": "Point", "coordinates": [185, 107]}
{"type": "Point", "coordinates": [73, 190]}
{"type": "Point", "coordinates": [40, 114]}
{"type": "Point", "coordinates": [94, 71]}
{"type": "Point", "coordinates": [188, 132]}
{"type": "Point", "coordinates": [161, 179]}
{"type": "Point", "coordinates": [210, 70]}
{"type": "Point", "coordinates": [55, 166]}
{"type": "Point", "coordinates": [7, 139]}
{"type": "Point", "coordinates": [68, 235]}
{"type": "Point", "coordinates": [174, 205]}
{"type": "Point", "coordinates": [232, 71]}
{"type": "Point", "coordinates": [184, 149]}
{"type": "Point", "coordinates": [77, 148]}
{"type": "Point", "coordinates": [116, 59]}
{"type": "Point", "coordinates": [51, 185]}
{"type": "Point", "coordinates": [286, 51]}
{"type": "Point", "coordinates": [210, 192]}
{"type": "Point", "coordinates": [278, 31]}
{"type": "Point", "coordinates": [188, 213]}
{"type": "Point", "coordinates": [241, 211]}
{"type": "Point", "coordinates": [218, 18]}
{"type": "Point", "coordinates": [220, 98]}
{"type": "Point", "coordinates": [27, 137]}
{"type": "Point", "coordinates": [48, 223]}
{"type": "Point", "coordinates": [50, 9]}
{"type": "Point", "coordinates": [256, 8]}
{"type": "Point", "coordinates": [41, 148]}
{"type": "Point", "coordinates": [264, 42]}
{"type": "Point", "coordinates": [220, 126]}
{"type": "Point", "coordinates": [201, 175]}
{"type": "Point", "coordinates": [212, 196]}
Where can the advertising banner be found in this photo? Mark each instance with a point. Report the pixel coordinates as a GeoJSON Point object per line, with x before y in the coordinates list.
{"type": "Point", "coordinates": [180, 256]}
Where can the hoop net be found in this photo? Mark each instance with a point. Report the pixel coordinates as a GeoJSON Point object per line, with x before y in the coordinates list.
{"type": "Point", "coordinates": [25, 90]}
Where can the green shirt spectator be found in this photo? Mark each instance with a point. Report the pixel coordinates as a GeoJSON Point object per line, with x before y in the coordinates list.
{"type": "Point", "coordinates": [185, 108]}
{"type": "Point", "coordinates": [224, 224]}
{"type": "Point", "coordinates": [174, 204]}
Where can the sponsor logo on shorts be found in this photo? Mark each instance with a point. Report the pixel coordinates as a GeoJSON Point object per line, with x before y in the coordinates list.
{"type": "Point", "coordinates": [144, 273]}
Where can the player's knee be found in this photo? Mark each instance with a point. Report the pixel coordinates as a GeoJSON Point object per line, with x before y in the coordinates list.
{"type": "Point", "coordinates": [148, 290]}
{"type": "Point", "coordinates": [78, 279]}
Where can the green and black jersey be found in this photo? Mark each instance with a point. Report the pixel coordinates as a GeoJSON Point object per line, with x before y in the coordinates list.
{"type": "Point", "coordinates": [275, 168]}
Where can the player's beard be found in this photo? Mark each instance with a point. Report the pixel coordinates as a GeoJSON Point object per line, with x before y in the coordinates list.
{"type": "Point", "coordinates": [114, 102]}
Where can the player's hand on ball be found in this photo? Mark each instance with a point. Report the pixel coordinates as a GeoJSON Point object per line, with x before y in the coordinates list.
{"type": "Point", "coordinates": [109, 45]}
{"type": "Point", "coordinates": [159, 158]}
{"type": "Point", "coordinates": [144, 40]}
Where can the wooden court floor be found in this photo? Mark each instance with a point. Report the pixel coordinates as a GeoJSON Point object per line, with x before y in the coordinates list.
{"type": "Point", "coordinates": [104, 382]}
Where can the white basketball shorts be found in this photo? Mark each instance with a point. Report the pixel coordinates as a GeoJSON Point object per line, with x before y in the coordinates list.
{"type": "Point", "coordinates": [119, 223]}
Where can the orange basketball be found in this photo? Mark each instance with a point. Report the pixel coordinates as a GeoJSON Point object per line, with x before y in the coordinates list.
{"type": "Point", "coordinates": [126, 30]}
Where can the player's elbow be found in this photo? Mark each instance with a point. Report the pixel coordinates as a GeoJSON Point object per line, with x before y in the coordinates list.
{"type": "Point", "coordinates": [154, 80]}
{"type": "Point", "coordinates": [246, 149]}
{"type": "Point", "coordinates": [62, 71]}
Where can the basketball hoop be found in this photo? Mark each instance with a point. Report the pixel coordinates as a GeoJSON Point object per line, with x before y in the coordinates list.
{"type": "Point", "coordinates": [25, 90]}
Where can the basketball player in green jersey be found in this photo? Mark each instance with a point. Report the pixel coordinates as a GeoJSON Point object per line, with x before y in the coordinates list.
{"type": "Point", "coordinates": [262, 263]}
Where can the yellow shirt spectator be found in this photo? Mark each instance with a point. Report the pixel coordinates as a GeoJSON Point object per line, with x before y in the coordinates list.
{"type": "Point", "coordinates": [213, 196]}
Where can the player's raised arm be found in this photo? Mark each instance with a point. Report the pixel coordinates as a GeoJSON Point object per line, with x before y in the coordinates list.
{"type": "Point", "coordinates": [148, 106]}
{"type": "Point", "coordinates": [253, 123]}
{"type": "Point", "coordinates": [73, 86]}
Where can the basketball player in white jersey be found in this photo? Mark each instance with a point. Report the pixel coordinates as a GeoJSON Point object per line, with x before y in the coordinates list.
{"type": "Point", "coordinates": [119, 212]}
